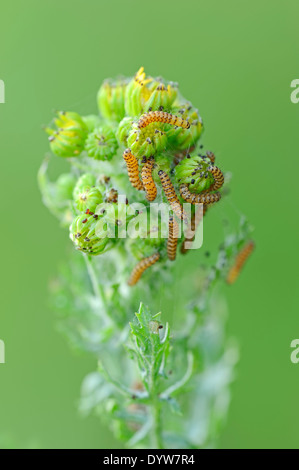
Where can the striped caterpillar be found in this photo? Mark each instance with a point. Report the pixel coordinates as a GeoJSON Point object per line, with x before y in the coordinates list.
{"type": "Point", "coordinates": [112, 195]}
{"type": "Point", "coordinates": [211, 156]}
{"type": "Point", "coordinates": [133, 170]}
{"type": "Point", "coordinates": [202, 198]}
{"type": "Point", "coordinates": [162, 116]}
{"type": "Point", "coordinates": [172, 238]}
{"type": "Point", "coordinates": [241, 258]}
{"type": "Point", "coordinates": [139, 269]}
{"type": "Point", "coordinates": [192, 227]}
{"type": "Point", "coordinates": [218, 177]}
{"type": "Point", "coordinates": [171, 196]}
{"type": "Point", "coordinates": [147, 180]}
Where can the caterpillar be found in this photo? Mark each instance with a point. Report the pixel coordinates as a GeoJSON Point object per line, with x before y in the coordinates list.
{"type": "Point", "coordinates": [139, 269]}
{"type": "Point", "coordinates": [171, 196]}
{"type": "Point", "coordinates": [202, 198]}
{"type": "Point", "coordinates": [172, 241]}
{"type": "Point", "coordinates": [218, 177]}
{"type": "Point", "coordinates": [241, 258]}
{"type": "Point", "coordinates": [133, 170]}
{"type": "Point", "coordinates": [192, 227]}
{"type": "Point", "coordinates": [112, 195]}
{"type": "Point", "coordinates": [147, 180]}
{"type": "Point", "coordinates": [211, 156]}
{"type": "Point", "coordinates": [162, 116]}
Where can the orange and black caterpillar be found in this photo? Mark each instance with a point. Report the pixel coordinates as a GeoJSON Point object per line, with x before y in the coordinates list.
{"type": "Point", "coordinates": [147, 180]}
{"type": "Point", "coordinates": [141, 267]}
{"type": "Point", "coordinates": [172, 241]}
{"type": "Point", "coordinates": [133, 170]}
{"type": "Point", "coordinates": [112, 195]}
{"type": "Point", "coordinates": [211, 156]}
{"type": "Point", "coordinates": [162, 116]}
{"type": "Point", "coordinates": [192, 227]}
{"type": "Point", "coordinates": [202, 198]}
{"type": "Point", "coordinates": [239, 262]}
{"type": "Point", "coordinates": [171, 196]}
{"type": "Point", "coordinates": [218, 177]}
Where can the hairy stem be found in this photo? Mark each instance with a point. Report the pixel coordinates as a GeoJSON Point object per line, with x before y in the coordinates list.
{"type": "Point", "coordinates": [157, 441]}
{"type": "Point", "coordinates": [98, 290]}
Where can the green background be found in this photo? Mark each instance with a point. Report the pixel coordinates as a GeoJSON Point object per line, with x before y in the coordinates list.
{"type": "Point", "coordinates": [235, 60]}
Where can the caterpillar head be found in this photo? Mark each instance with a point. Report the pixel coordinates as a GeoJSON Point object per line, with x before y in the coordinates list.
{"type": "Point", "coordinates": [101, 144]}
{"type": "Point", "coordinates": [111, 99]}
{"type": "Point", "coordinates": [194, 171]}
{"type": "Point", "coordinates": [162, 162]}
{"type": "Point", "coordinates": [68, 139]}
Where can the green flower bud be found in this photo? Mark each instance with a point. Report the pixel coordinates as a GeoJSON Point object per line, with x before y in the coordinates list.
{"type": "Point", "coordinates": [114, 218]}
{"type": "Point", "coordinates": [69, 138]}
{"type": "Point", "coordinates": [147, 141]}
{"type": "Point", "coordinates": [65, 185]}
{"type": "Point", "coordinates": [162, 96]}
{"type": "Point", "coordinates": [89, 199]}
{"type": "Point", "coordinates": [180, 138]}
{"type": "Point", "coordinates": [86, 194]}
{"type": "Point", "coordinates": [82, 234]}
{"type": "Point", "coordinates": [193, 170]}
{"type": "Point", "coordinates": [163, 162]}
{"type": "Point", "coordinates": [101, 144]}
{"type": "Point", "coordinates": [137, 94]}
{"type": "Point", "coordinates": [143, 247]}
{"type": "Point", "coordinates": [92, 121]}
{"type": "Point", "coordinates": [111, 99]}
{"type": "Point", "coordinates": [123, 131]}
{"type": "Point", "coordinates": [86, 181]}
{"type": "Point", "coordinates": [57, 196]}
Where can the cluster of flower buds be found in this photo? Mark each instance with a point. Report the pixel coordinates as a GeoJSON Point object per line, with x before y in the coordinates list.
{"type": "Point", "coordinates": [144, 123]}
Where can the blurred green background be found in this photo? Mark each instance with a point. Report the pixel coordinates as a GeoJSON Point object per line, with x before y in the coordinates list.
{"type": "Point", "coordinates": [235, 61]}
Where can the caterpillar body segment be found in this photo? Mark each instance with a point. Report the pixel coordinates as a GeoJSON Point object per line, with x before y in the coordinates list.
{"type": "Point", "coordinates": [172, 241]}
{"type": "Point", "coordinates": [192, 227]}
{"type": "Point", "coordinates": [133, 169]}
{"type": "Point", "coordinates": [201, 198]}
{"type": "Point", "coordinates": [241, 258]}
{"type": "Point", "coordinates": [211, 156]}
{"type": "Point", "coordinates": [139, 269]}
{"type": "Point", "coordinates": [147, 180]}
{"type": "Point", "coordinates": [162, 116]}
{"type": "Point", "coordinates": [218, 177]}
{"type": "Point", "coordinates": [171, 196]}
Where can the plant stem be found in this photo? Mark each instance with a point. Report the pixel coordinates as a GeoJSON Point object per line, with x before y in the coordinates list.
{"type": "Point", "coordinates": [155, 407]}
{"type": "Point", "coordinates": [98, 290]}
{"type": "Point", "coordinates": [157, 441]}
